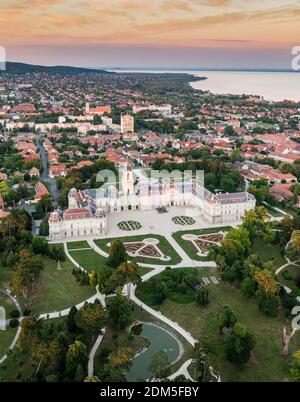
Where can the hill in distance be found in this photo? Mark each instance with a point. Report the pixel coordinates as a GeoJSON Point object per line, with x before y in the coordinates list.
{"type": "Point", "coordinates": [22, 68]}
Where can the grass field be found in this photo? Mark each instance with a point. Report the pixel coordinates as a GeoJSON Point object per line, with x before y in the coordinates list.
{"type": "Point", "coordinates": [288, 275]}
{"type": "Point", "coordinates": [266, 363]}
{"type": "Point", "coordinates": [188, 247]}
{"type": "Point", "coordinates": [57, 290]}
{"type": "Point", "coordinates": [4, 276]}
{"type": "Point", "coordinates": [268, 252]}
{"type": "Point", "coordinates": [89, 259]}
{"type": "Point", "coordinates": [77, 244]}
{"type": "Point", "coordinates": [163, 244]}
{"type": "Point", "coordinates": [7, 336]}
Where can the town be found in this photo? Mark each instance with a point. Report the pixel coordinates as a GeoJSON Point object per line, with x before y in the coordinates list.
{"type": "Point", "coordinates": [100, 258]}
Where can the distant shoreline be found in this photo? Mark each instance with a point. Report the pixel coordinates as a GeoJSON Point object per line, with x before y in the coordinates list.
{"type": "Point", "coordinates": [198, 69]}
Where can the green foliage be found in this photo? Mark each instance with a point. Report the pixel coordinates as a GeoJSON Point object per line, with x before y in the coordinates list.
{"type": "Point", "coordinates": [76, 356]}
{"type": "Point", "coordinates": [238, 344]}
{"type": "Point", "coordinates": [267, 303]}
{"type": "Point", "coordinates": [295, 367]}
{"type": "Point", "coordinates": [117, 254]}
{"type": "Point", "coordinates": [39, 245]}
{"type": "Point", "coordinates": [226, 318]}
{"type": "Point", "coordinates": [249, 287]}
{"type": "Point", "coordinates": [120, 311]}
{"type": "Point", "coordinates": [159, 365]}
{"type": "Point", "coordinates": [202, 295]}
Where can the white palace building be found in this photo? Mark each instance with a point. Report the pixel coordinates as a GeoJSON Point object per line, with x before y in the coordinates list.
{"type": "Point", "coordinates": [88, 209]}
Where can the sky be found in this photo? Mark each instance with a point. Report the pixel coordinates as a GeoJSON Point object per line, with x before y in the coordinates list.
{"type": "Point", "coordinates": [151, 33]}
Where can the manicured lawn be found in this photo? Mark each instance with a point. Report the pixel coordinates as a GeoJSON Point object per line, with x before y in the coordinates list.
{"type": "Point", "coordinates": [7, 303]}
{"type": "Point", "coordinates": [188, 246]}
{"type": "Point", "coordinates": [4, 276]}
{"type": "Point", "coordinates": [89, 259]}
{"type": "Point", "coordinates": [57, 290]}
{"type": "Point", "coordinates": [266, 363]}
{"type": "Point", "coordinates": [287, 277]}
{"type": "Point", "coordinates": [163, 244]}
{"type": "Point", "coordinates": [77, 244]}
{"type": "Point", "coordinates": [268, 252]}
{"type": "Point", "coordinates": [6, 338]}
{"type": "Point", "coordinates": [144, 271]}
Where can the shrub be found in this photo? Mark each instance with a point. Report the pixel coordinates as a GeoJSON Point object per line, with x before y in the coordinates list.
{"type": "Point", "coordinates": [268, 304]}
{"type": "Point", "coordinates": [248, 288]}
{"type": "Point", "coordinates": [26, 312]}
{"type": "Point", "coordinates": [14, 314]}
{"type": "Point", "coordinates": [14, 323]}
{"type": "Point", "coordinates": [286, 275]}
{"type": "Point", "coordinates": [297, 281]}
{"type": "Point", "coordinates": [202, 295]}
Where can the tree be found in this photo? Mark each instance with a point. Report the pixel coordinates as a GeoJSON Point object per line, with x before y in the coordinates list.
{"type": "Point", "coordinates": [266, 281]}
{"type": "Point", "coordinates": [249, 287]}
{"type": "Point", "coordinates": [201, 356]}
{"type": "Point", "coordinates": [30, 333]}
{"type": "Point", "coordinates": [267, 303]}
{"type": "Point", "coordinates": [76, 355]}
{"type": "Point", "coordinates": [296, 239]}
{"type": "Point", "coordinates": [94, 378]}
{"type": "Point", "coordinates": [229, 131]}
{"type": "Point", "coordinates": [71, 319]}
{"type": "Point", "coordinates": [295, 367]}
{"type": "Point", "coordinates": [226, 318]}
{"type": "Point", "coordinates": [202, 295]}
{"type": "Point", "coordinates": [120, 311]}
{"type": "Point", "coordinates": [25, 273]}
{"type": "Point", "coordinates": [238, 344]}
{"type": "Point", "coordinates": [160, 365]}
{"type": "Point", "coordinates": [286, 340]}
{"type": "Point", "coordinates": [93, 279]}
{"type": "Point", "coordinates": [257, 222]}
{"type": "Point", "coordinates": [44, 228]}
{"type": "Point", "coordinates": [91, 318]}
{"type": "Point", "coordinates": [108, 280]}
{"type": "Point", "coordinates": [259, 188]}
{"type": "Point", "coordinates": [119, 361]}
{"type": "Point", "coordinates": [39, 245]}
{"type": "Point", "coordinates": [117, 253]}
{"type": "Point", "coordinates": [47, 353]}
{"type": "Point", "coordinates": [57, 253]}
{"type": "Point", "coordinates": [129, 272]}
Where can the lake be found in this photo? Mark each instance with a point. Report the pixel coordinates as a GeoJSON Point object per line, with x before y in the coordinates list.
{"type": "Point", "coordinates": [274, 86]}
{"type": "Point", "coordinates": [160, 339]}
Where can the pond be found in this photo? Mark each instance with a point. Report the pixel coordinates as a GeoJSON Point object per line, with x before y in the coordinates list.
{"type": "Point", "coordinates": [160, 339]}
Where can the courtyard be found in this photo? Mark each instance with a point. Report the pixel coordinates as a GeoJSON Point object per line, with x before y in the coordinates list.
{"type": "Point", "coordinates": [176, 218]}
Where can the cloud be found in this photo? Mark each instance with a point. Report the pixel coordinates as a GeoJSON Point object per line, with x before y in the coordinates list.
{"type": "Point", "coordinates": [269, 15]}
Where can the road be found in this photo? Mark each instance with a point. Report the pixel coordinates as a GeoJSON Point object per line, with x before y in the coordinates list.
{"type": "Point", "coordinates": [45, 174]}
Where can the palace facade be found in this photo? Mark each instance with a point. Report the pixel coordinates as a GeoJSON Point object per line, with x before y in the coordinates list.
{"type": "Point", "coordinates": [88, 209]}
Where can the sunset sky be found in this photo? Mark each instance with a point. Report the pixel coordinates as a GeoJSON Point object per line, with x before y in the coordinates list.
{"type": "Point", "coordinates": [178, 33]}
